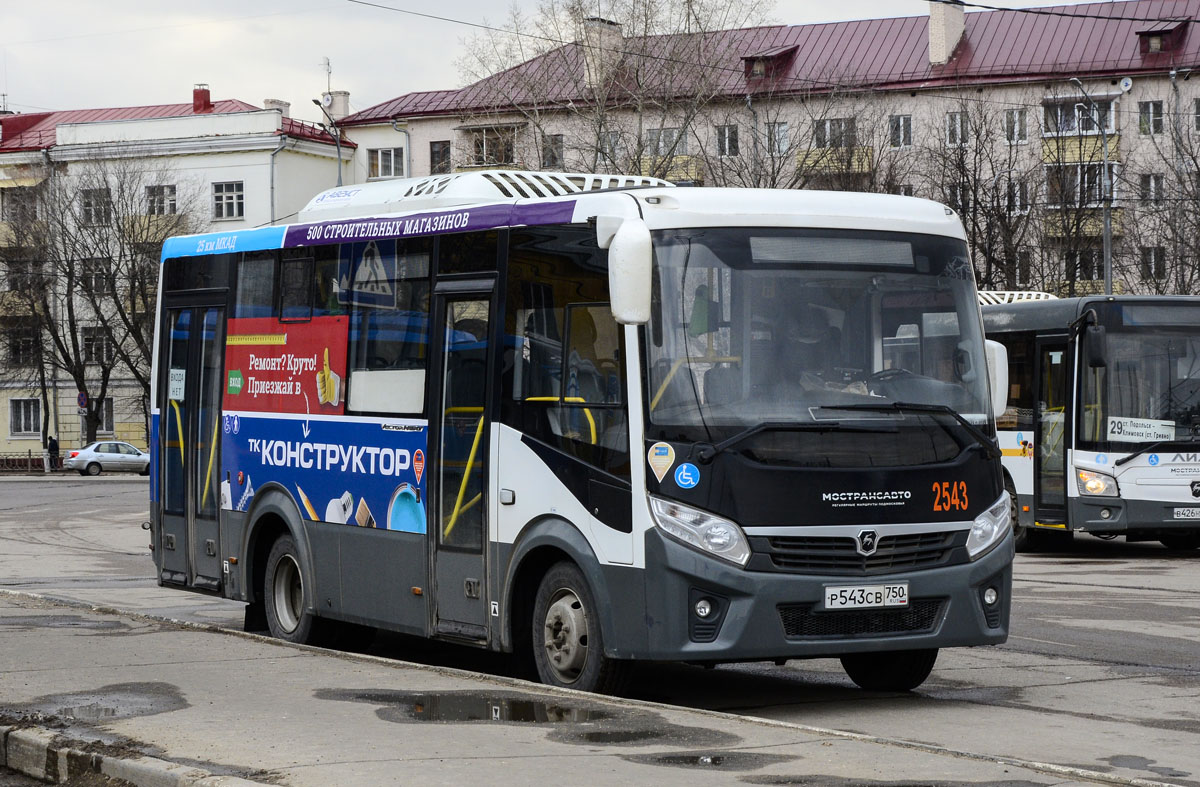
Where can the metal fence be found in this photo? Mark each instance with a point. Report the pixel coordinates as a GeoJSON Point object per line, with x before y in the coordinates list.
{"type": "Point", "coordinates": [25, 462]}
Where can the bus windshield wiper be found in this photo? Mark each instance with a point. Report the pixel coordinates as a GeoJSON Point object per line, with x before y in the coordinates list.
{"type": "Point", "coordinates": [1153, 447]}
{"type": "Point", "coordinates": [989, 445]}
{"type": "Point", "coordinates": [706, 453]}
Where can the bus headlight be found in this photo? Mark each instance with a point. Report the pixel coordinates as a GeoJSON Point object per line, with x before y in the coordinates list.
{"type": "Point", "coordinates": [701, 530]}
{"type": "Point", "coordinates": [989, 528]}
{"type": "Point", "coordinates": [1093, 483]}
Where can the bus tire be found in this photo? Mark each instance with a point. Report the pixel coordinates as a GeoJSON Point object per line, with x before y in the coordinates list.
{"type": "Point", "coordinates": [1022, 538]}
{"type": "Point", "coordinates": [568, 646]}
{"type": "Point", "coordinates": [896, 670]}
{"type": "Point", "coordinates": [285, 593]}
{"type": "Point", "coordinates": [1181, 541]}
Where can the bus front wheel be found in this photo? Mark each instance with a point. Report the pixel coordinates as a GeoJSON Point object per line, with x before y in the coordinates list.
{"type": "Point", "coordinates": [1022, 538]}
{"type": "Point", "coordinates": [897, 670]}
{"type": "Point", "coordinates": [1181, 541]}
{"type": "Point", "coordinates": [568, 646]}
{"type": "Point", "coordinates": [284, 594]}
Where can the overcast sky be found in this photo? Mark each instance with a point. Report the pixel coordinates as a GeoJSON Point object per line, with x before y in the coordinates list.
{"type": "Point", "coordinates": [78, 54]}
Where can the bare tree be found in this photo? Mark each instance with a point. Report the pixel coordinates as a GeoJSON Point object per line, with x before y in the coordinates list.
{"type": "Point", "coordinates": [92, 237]}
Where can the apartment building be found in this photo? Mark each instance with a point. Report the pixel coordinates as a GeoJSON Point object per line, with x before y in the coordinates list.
{"type": "Point", "coordinates": [86, 198]}
{"type": "Point", "coordinates": [1028, 123]}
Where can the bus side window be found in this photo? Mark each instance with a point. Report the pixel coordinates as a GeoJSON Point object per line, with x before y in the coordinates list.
{"type": "Point", "coordinates": [256, 285]}
{"type": "Point", "coordinates": [1018, 412]}
{"type": "Point", "coordinates": [387, 287]}
{"type": "Point", "coordinates": [564, 380]}
{"type": "Point", "coordinates": [295, 288]}
{"type": "Point", "coordinates": [467, 252]}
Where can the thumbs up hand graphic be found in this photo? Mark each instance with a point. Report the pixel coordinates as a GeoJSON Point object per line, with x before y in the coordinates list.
{"type": "Point", "coordinates": [329, 384]}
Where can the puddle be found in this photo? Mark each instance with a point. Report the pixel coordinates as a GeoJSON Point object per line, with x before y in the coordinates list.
{"type": "Point", "coordinates": [117, 701]}
{"type": "Point", "coordinates": [581, 723]}
{"type": "Point", "coordinates": [1136, 763]}
{"type": "Point", "coordinates": [715, 761]}
{"type": "Point", "coordinates": [61, 622]}
{"type": "Point", "coordinates": [841, 781]}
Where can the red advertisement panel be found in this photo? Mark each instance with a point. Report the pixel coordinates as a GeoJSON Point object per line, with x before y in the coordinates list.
{"type": "Point", "coordinates": [295, 367]}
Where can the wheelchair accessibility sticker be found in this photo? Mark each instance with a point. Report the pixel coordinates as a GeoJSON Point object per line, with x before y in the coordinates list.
{"type": "Point", "coordinates": [687, 475]}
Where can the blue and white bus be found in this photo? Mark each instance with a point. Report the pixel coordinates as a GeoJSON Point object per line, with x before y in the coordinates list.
{"type": "Point", "coordinates": [590, 419]}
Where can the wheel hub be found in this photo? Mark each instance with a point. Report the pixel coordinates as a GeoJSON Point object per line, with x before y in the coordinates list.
{"type": "Point", "coordinates": [289, 593]}
{"type": "Point", "coordinates": [566, 635]}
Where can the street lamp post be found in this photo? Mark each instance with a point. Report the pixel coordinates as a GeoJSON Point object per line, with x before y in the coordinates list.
{"type": "Point", "coordinates": [336, 133]}
{"type": "Point", "coordinates": [1095, 115]}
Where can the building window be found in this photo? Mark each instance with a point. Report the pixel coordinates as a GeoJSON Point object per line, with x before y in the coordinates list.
{"type": "Point", "coordinates": [1152, 187]}
{"type": "Point", "coordinates": [1150, 117]}
{"type": "Point", "coordinates": [666, 142]}
{"type": "Point", "coordinates": [439, 157]}
{"type": "Point", "coordinates": [24, 417]}
{"type": "Point", "coordinates": [959, 197]}
{"type": "Point", "coordinates": [1067, 118]}
{"type": "Point", "coordinates": [1017, 197]}
{"type": "Point", "coordinates": [19, 204]}
{"type": "Point", "coordinates": [777, 139]}
{"type": "Point", "coordinates": [553, 151]}
{"type": "Point", "coordinates": [229, 200]}
{"type": "Point", "coordinates": [958, 130]}
{"type": "Point", "coordinates": [1154, 263]}
{"type": "Point", "coordinates": [1076, 185]}
{"type": "Point", "coordinates": [97, 346]}
{"type": "Point", "coordinates": [492, 146]}
{"type": "Point", "coordinates": [24, 275]}
{"type": "Point", "coordinates": [900, 131]}
{"type": "Point", "coordinates": [95, 207]}
{"type": "Point", "coordinates": [98, 275]}
{"type": "Point", "coordinates": [727, 140]}
{"type": "Point", "coordinates": [611, 146]}
{"type": "Point", "coordinates": [1087, 263]}
{"type": "Point", "coordinates": [904, 189]}
{"type": "Point", "coordinates": [385, 163]}
{"type": "Point", "coordinates": [1196, 113]}
{"type": "Point", "coordinates": [106, 418]}
{"type": "Point", "coordinates": [833, 133]}
{"type": "Point", "coordinates": [1014, 126]}
{"type": "Point", "coordinates": [22, 346]}
{"type": "Point", "coordinates": [160, 200]}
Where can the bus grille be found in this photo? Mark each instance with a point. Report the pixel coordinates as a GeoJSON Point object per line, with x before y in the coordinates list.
{"type": "Point", "coordinates": [920, 617]}
{"type": "Point", "coordinates": [839, 555]}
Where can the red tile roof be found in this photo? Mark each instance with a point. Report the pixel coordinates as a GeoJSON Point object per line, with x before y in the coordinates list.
{"type": "Point", "coordinates": [36, 131]}
{"type": "Point", "coordinates": [1089, 40]}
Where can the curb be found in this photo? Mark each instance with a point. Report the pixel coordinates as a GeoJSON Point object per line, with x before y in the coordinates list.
{"type": "Point", "coordinates": [44, 755]}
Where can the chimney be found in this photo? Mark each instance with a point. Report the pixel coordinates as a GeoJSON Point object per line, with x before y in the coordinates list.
{"type": "Point", "coordinates": [602, 44]}
{"type": "Point", "coordinates": [284, 107]}
{"type": "Point", "coordinates": [201, 99]}
{"type": "Point", "coordinates": [336, 103]}
{"type": "Point", "coordinates": [946, 26]}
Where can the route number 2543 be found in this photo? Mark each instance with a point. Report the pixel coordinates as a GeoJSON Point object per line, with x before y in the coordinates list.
{"type": "Point", "coordinates": [950, 496]}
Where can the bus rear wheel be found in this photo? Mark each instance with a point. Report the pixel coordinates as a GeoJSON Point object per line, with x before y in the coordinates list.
{"type": "Point", "coordinates": [284, 594]}
{"type": "Point", "coordinates": [896, 670]}
{"type": "Point", "coordinates": [568, 647]}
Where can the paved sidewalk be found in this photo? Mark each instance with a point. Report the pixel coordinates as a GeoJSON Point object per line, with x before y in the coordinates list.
{"type": "Point", "coordinates": [163, 703]}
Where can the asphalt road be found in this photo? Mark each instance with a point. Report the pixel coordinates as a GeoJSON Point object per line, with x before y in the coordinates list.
{"type": "Point", "coordinates": [1102, 670]}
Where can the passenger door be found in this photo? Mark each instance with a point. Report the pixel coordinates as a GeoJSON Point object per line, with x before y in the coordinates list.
{"type": "Point", "coordinates": [459, 444]}
{"type": "Point", "coordinates": [189, 446]}
{"type": "Point", "coordinates": [1050, 430]}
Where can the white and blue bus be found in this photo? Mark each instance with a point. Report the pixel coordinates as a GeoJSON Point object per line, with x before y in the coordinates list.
{"type": "Point", "coordinates": [589, 419]}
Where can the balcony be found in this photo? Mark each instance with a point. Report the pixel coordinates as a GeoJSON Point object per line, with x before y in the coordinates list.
{"type": "Point", "coordinates": [1072, 149]}
{"type": "Point", "coordinates": [675, 168]}
{"type": "Point", "coordinates": [1090, 222]}
{"type": "Point", "coordinates": [837, 161]}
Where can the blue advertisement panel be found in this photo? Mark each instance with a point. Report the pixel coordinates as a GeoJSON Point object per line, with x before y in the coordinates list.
{"type": "Point", "coordinates": [364, 472]}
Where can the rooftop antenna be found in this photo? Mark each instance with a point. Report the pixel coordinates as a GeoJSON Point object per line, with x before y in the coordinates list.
{"type": "Point", "coordinates": [328, 73]}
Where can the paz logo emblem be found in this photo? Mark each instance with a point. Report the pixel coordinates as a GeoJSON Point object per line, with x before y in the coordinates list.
{"type": "Point", "coordinates": [867, 541]}
{"type": "Point", "coordinates": [1196, 489]}
{"type": "Point", "coordinates": [660, 456]}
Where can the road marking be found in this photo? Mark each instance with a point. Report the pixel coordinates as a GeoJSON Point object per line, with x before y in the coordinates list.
{"type": "Point", "coordinates": [1043, 641]}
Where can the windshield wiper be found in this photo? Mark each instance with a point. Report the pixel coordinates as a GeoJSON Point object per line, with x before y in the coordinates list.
{"type": "Point", "coordinates": [989, 446]}
{"type": "Point", "coordinates": [1153, 447]}
{"type": "Point", "coordinates": [706, 453]}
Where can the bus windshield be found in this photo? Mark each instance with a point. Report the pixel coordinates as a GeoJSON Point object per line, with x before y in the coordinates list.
{"type": "Point", "coordinates": [1149, 390]}
{"type": "Point", "coordinates": [783, 326]}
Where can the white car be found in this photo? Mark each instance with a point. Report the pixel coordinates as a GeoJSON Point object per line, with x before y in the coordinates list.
{"type": "Point", "coordinates": [110, 455]}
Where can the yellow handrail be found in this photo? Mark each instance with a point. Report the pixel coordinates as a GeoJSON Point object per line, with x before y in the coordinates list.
{"type": "Point", "coordinates": [179, 428]}
{"type": "Point", "coordinates": [212, 452]}
{"type": "Point", "coordinates": [570, 400]}
{"type": "Point", "coordinates": [462, 487]}
{"type": "Point", "coordinates": [675, 368]}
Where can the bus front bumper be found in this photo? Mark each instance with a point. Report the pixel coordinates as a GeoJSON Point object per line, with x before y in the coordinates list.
{"type": "Point", "coordinates": [756, 615]}
{"type": "Point", "coordinates": [1127, 517]}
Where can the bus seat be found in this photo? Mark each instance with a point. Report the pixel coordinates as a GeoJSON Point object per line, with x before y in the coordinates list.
{"type": "Point", "coordinates": [723, 385]}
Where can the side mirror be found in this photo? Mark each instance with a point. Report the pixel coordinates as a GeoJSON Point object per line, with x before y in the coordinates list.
{"type": "Point", "coordinates": [997, 363]}
{"type": "Point", "coordinates": [629, 256]}
{"type": "Point", "coordinates": [1096, 346]}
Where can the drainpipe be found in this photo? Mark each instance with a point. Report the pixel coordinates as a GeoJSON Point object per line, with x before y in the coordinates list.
{"type": "Point", "coordinates": [407, 148]}
{"type": "Point", "coordinates": [278, 149]}
{"type": "Point", "coordinates": [53, 367]}
{"type": "Point", "coordinates": [753, 140]}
